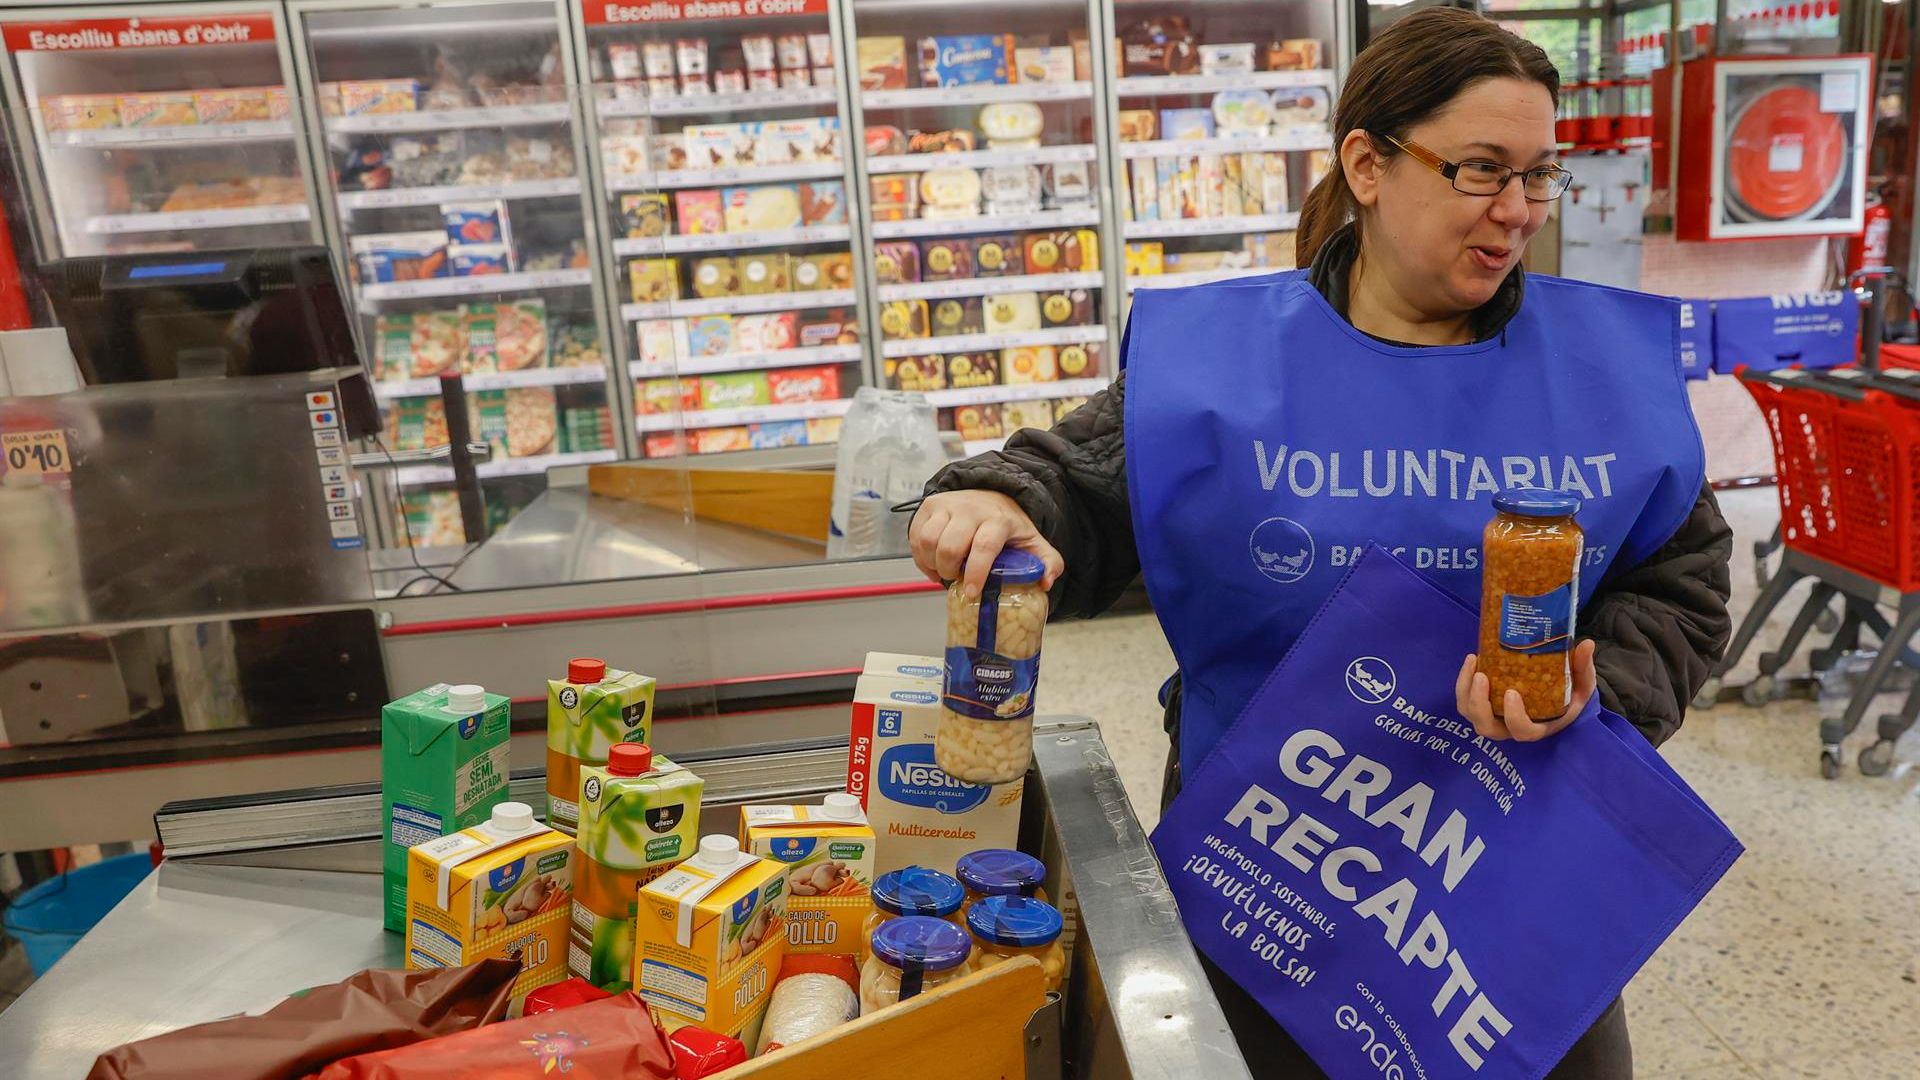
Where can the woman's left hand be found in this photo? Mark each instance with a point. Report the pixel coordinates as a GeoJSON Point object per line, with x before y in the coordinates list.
{"type": "Point", "coordinates": [1472, 690]}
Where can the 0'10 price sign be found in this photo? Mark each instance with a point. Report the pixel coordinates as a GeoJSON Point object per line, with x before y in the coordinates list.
{"type": "Point", "coordinates": [36, 453]}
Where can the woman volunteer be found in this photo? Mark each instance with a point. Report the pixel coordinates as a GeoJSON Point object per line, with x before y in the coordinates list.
{"type": "Point", "coordinates": [1264, 431]}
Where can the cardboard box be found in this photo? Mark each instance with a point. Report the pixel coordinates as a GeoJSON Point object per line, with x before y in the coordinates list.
{"type": "Point", "coordinates": [654, 280]}
{"type": "Point", "coordinates": [710, 335]}
{"type": "Point", "coordinates": [481, 221]}
{"type": "Point", "coordinates": [1012, 312]}
{"type": "Point", "coordinates": [766, 208]}
{"type": "Point", "coordinates": [918, 374]}
{"type": "Point", "coordinates": [828, 852]}
{"type": "Point", "coordinates": [584, 720]}
{"type": "Point", "coordinates": [442, 769]}
{"type": "Point", "coordinates": [778, 434]}
{"type": "Point", "coordinates": [741, 390]}
{"type": "Point", "coordinates": [920, 815]}
{"type": "Point", "coordinates": [906, 666]}
{"type": "Point", "coordinates": [643, 214]}
{"type": "Point", "coordinates": [1015, 415]}
{"type": "Point", "coordinates": [793, 386]}
{"type": "Point", "coordinates": [409, 256]}
{"type": "Point", "coordinates": [165, 108]}
{"type": "Point", "coordinates": [882, 63]}
{"type": "Point", "coordinates": [766, 333]}
{"type": "Point", "coordinates": [709, 936]}
{"type": "Point", "coordinates": [966, 59]}
{"type": "Point", "coordinates": [699, 211]}
{"type": "Point", "coordinates": [957, 315]}
{"type": "Point", "coordinates": [833, 270]}
{"type": "Point", "coordinates": [946, 260]}
{"type": "Point", "coordinates": [978, 422]}
{"type": "Point", "coordinates": [1044, 64]}
{"type": "Point", "coordinates": [716, 276]}
{"type": "Point", "coordinates": [1029, 364]}
{"type": "Point", "coordinates": [664, 341]}
{"type": "Point", "coordinates": [500, 889]}
{"type": "Point", "coordinates": [823, 202]}
{"type": "Point", "coordinates": [904, 319]}
{"type": "Point", "coordinates": [765, 273]}
{"type": "Point", "coordinates": [722, 440]}
{"type": "Point", "coordinates": [470, 260]}
{"type": "Point", "coordinates": [233, 106]}
{"type": "Point", "coordinates": [896, 262]}
{"type": "Point", "coordinates": [375, 96]}
{"type": "Point", "coordinates": [969, 371]}
{"type": "Point", "coordinates": [1146, 258]}
{"type": "Point", "coordinates": [632, 830]}
{"type": "Point", "coordinates": [998, 256]}
{"type": "Point", "coordinates": [658, 397]}
{"type": "Point", "coordinates": [80, 112]}
{"type": "Point", "coordinates": [1078, 361]}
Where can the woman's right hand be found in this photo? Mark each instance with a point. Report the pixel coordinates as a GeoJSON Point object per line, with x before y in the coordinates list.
{"type": "Point", "coordinates": [958, 530]}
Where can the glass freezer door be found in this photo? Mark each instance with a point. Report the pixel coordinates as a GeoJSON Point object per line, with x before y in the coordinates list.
{"type": "Point", "coordinates": [727, 186]}
{"type": "Point", "coordinates": [983, 140]}
{"type": "Point", "coordinates": [452, 150]}
{"type": "Point", "coordinates": [156, 129]}
{"type": "Point", "coordinates": [1224, 125]}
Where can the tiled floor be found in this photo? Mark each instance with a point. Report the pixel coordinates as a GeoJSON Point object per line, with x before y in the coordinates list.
{"type": "Point", "coordinates": [1804, 962]}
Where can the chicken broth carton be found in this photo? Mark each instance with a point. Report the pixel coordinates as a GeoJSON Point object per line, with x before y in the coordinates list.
{"type": "Point", "coordinates": [500, 889]}
{"type": "Point", "coordinates": [709, 936]}
{"type": "Point", "coordinates": [639, 816]}
{"type": "Point", "coordinates": [588, 712]}
{"type": "Point", "coordinates": [828, 851]}
{"type": "Point", "coordinates": [919, 815]}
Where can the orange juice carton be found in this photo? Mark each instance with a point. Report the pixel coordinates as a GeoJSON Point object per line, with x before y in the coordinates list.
{"type": "Point", "coordinates": [828, 852]}
{"type": "Point", "coordinates": [709, 936]}
{"type": "Point", "coordinates": [500, 889]}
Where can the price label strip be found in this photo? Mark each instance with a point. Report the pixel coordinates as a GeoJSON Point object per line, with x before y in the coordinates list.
{"type": "Point", "coordinates": [36, 453]}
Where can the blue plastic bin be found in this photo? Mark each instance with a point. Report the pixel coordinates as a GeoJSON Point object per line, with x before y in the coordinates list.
{"type": "Point", "coordinates": [54, 914]}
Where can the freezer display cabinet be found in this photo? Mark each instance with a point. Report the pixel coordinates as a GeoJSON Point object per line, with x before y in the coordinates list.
{"type": "Point", "coordinates": [722, 157]}
{"type": "Point", "coordinates": [156, 128]}
{"type": "Point", "coordinates": [981, 137]}
{"type": "Point", "coordinates": [452, 147]}
{"type": "Point", "coordinates": [1224, 123]}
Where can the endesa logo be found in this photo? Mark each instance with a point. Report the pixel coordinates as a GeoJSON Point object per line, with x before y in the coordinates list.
{"type": "Point", "coordinates": [909, 775]}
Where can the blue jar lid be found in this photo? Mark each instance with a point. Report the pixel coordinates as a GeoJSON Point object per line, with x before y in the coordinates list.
{"type": "Point", "coordinates": [1000, 872]}
{"type": "Point", "coordinates": [917, 943]}
{"type": "Point", "coordinates": [1016, 567]}
{"type": "Point", "coordinates": [916, 890]}
{"type": "Point", "coordinates": [1018, 921]}
{"type": "Point", "coordinates": [1536, 502]}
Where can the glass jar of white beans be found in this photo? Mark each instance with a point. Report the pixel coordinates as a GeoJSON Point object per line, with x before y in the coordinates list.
{"type": "Point", "coordinates": [993, 668]}
{"type": "Point", "coordinates": [909, 956]}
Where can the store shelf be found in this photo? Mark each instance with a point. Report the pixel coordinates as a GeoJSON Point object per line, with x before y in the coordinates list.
{"type": "Point", "coordinates": [763, 414]}
{"type": "Point", "coordinates": [1197, 277]}
{"type": "Point", "coordinates": [1154, 85]}
{"type": "Point", "coordinates": [739, 174]}
{"type": "Point", "coordinates": [186, 135]}
{"type": "Point", "coordinates": [712, 104]}
{"type": "Point", "coordinates": [525, 281]}
{"type": "Point", "coordinates": [979, 159]}
{"type": "Point", "coordinates": [493, 380]}
{"type": "Point", "coordinates": [740, 241]}
{"type": "Point", "coordinates": [1059, 335]}
{"type": "Point", "coordinates": [740, 305]}
{"type": "Point", "coordinates": [1222, 226]}
{"type": "Point", "coordinates": [495, 116]}
{"type": "Point", "coordinates": [487, 470]}
{"type": "Point", "coordinates": [990, 286]}
{"type": "Point", "coordinates": [983, 395]}
{"type": "Point", "coordinates": [732, 362]}
{"type": "Point", "coordinates": [1039, 219]}
{"type": "Point", "coordinates": [433, 196]}
{"type": "Point", "coordinates": [182, 220]}
{"type": "Point", "coordinates": [935, 97]}
{"type": "Point", "coordinates": [1300, 138]}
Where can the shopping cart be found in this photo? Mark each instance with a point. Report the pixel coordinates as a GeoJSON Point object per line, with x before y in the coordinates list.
{"type": "Point", "coordinates": [1847, 455]}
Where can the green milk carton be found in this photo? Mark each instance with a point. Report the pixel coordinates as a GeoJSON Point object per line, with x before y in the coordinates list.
{"type": "Point", "coordinates": [443, 768]}
{"type": "Point", "coordinates": [592, 710]}
{"type": "Point", "coordinates": [639, 817]}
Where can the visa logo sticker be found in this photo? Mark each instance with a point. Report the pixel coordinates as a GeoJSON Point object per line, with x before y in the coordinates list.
{"type": "Point", "coordinates": [908, 774]}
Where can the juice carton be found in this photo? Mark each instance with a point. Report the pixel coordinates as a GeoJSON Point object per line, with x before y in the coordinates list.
{"type": "Point", "coordinates": [639, 815]}
{"type": "Point", "coordinates": [589, 711]}
{"type": "Point", "coordinates": [921, 815]}
{"type": "Point", "coordinates": [443, 768]}
{"type": "Point", "coordinates": [500, 889]}
{"type": "Point", "coordinates": [709, 936]}
{"type": "Point", "coordinates": [828, 852]}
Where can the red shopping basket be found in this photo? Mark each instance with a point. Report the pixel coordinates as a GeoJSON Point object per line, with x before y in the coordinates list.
{"type": "Point", "coordinates": [1800, 421]}
{"type": "Point", "coordinates": [1899, 356]}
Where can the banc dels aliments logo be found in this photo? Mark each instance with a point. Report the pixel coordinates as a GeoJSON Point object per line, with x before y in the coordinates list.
{"type": "Point", "coordinates": [1282, 550]}
{"type": "Point", "coordinates": [1370, 680]}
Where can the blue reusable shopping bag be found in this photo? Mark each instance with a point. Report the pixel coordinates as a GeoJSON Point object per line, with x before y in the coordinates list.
{"type": "Point", "coordinates": [1696, 339]}
{"type": "Point", "coordinates": [1403, 895]}
{"type": "Point", "coordinates": [1812, 330]}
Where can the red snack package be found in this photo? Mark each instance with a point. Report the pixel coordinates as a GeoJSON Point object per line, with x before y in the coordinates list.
{"type": "Point", "coordinates": [610, 1039]}
{"type": "Point", "coordinates": [698, 1052]}
{"type": "Point", "coordinates": [369, 1011]}
{"type": "Point", "coordinates": [562, 995]}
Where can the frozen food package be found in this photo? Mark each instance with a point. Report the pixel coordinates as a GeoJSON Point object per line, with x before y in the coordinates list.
{"type": "Point", "coordinates": [1015, 415]}
{"type": "Point", "coordinates": [1044, 64]}
{"type": "Point", "coordinates": [439, 342]}
{"type": "Point", "coordinates": [761, 82]}
{"type": "Point", "coordinates": [1160, 45]}
{"type": "Point", "coordinates": [663, 341]}
{"type": "Point", "coordinates": [766, 333]}
{"type": "Point", "coordinates": [1233, 185]}
{"type": "Point", "coordinates": [615, 1036]}
{"type": "Point", "coordinates": [1029, 364]}
{"type": "Point", "coordinates": [1242, 113]}
{"type": "Point", "coordinates": [1068, 307]}
{"type": "Point", "coordinates": [393, 347]}
{"type": "Point", "coordinates": [233, 106]}
{"type": "Point", "coordinates": [916, 374]}
{"type": "Point", "coordinates": [533, 421]}
{"type": "Point", "coordinates": [1186, 123]}
{"type": "Point", "coordinates": [1068, 184]}
{"type": "Point", "coordinates": [1301, 107]}
{"type": "Point", "coordinates": [654, 280]}
{"type": "Point", "coordinates": [970, 371]}
{"type": "Point", "coordinates": [1293, 54]}
{"type": "Point", "coordinates": [957, 315]}
{"type": "Point", "coordinates": [997, 256]}
{"type": "Point", "coordinates": [710, 335]}
{"type": "Point", "coordinates": [896, 262]}
{"type": "Point", "coordinates": [410, 256]}
{"type": "Point", "coordinates": [950, 193]}
{"type": "Point", "coordinates": [729, 80]}
{"type": "Point", "coordinates": [765, 272]}
{"type": "Point", "coordinates": [469, 260]}
{"type": "Point", "coordinates": [80, 112]}
{"type": "Point", "coordinates": [1012, 125]}
{"type": "Point", "coordinates": [820, 50]}
{"type": "Point", "coordinates": [889, 447]}
{"type": "Point", "coordinates": [1138, 125]}
{"type": "Point", "coordinates": [1227, 58]}
{"type": "Point", "coordinates": [829, 271]}
{"type": "Point", "coordinates": [379, 96]}
{"type": "Point", "coordinates": [520, 334]}
{"type": "Point", "coordinates": [627, 154]}
{"type": "Point", "coordinates": [882, 63]}
{"type": "Point", "coordinates": [904, 319]}
{"type": "Point", "coordinates": [966, 59]}
{"type": "Point", "coordinates": [757, 50]}
{"type": "Point", "coordinates": [836, 326]}
{"type": "Point", "coordinates": [946, 260]}
{"type": "Point", "coordinates": [623, 61]}
{"type": "Point", "coordinates": [1146, 258]}
{"type": "Point", "coordinates": [716, 276]}
{"type": "Point", "coordinates": [1146, 189]}
{"type": "Point", "coordinates": [975, 422]}
{"type": "Point", "coordinates": [1012, 312]}
{"type": "Point", "coordinates": [1012, 189]}
{"type": "Point", "coordinates": [483, 353]}
{"type": "Point", "coordinates": [372, 1010]}
{"type": "Point", "coordinates": [1079, 361]}
{"type": "Point", "coordinates": [643, 215]}
{"type": "Point", "coordinates": [1273, 180]}
{"type": "Point", "coordinates": [158, 109]}
{"type": "Point", "coordinates": [793, 386]}
{"type": "Point", "coordinates": [778, 434]}
{"type": "Point", "coordinates": [698, 211]}
{"type": "Point", "coordinates": [823, 202]}
{"type": "Point", "coordinates": [896, 196]}
{"type": "Point", "coordinates": [766, 208]}
{"type": "Point", "coordinates": [791, 52]}
{"type": "Point", "coordinates": [722, 440]}
{"type": "Point", "coordinates": [690, 54]}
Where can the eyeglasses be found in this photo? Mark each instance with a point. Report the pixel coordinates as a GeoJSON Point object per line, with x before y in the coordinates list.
{"type": "Point", "coordinates": [1542, 184]}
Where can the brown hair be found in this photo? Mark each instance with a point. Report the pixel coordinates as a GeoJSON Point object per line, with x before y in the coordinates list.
{"type": "Point", "coordinates": [1402, 77]}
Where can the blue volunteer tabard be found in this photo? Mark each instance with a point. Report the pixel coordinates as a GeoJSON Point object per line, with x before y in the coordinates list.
{"type": "Point", "coordinates": [1269, 442]}
{"type": "Point", "coordinates": [1411, 901]}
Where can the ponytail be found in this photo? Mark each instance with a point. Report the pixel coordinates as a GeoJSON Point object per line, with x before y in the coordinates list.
{"type": "Point", "coordinates": [1328, 207]}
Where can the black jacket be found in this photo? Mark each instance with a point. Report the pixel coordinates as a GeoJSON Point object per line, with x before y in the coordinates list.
{"type": "Point", "coordinates": [1658, 626]}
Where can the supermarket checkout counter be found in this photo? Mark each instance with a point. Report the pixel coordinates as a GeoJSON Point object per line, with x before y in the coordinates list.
{"type": "Point", "coordinates": [261, 897]}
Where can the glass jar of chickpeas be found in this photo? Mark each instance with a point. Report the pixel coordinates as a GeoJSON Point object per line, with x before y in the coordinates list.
{"type": "Point", "coordinates": [1530, 594]}
{"type": "Point", "coordinates": [912, 891]}
{"type": "Point", "coordinates": [1005, 927]}
{"type": "Point", "coordinates": [993, 667]}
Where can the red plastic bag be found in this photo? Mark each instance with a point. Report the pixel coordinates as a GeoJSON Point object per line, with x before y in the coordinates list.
{"type": "Point", "coordinates": [613, 1039]}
